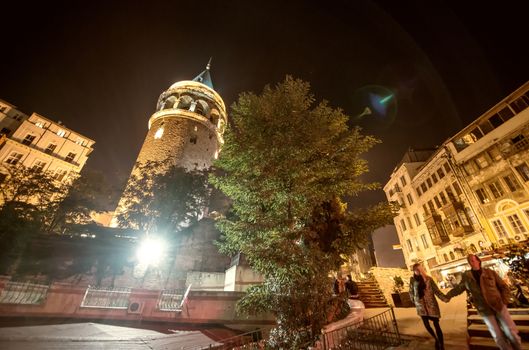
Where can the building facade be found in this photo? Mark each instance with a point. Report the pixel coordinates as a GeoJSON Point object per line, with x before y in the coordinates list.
{"type": "Point", "coordinates": [37, 142]}
{"type": "Point", "coordinates": [468, 195]}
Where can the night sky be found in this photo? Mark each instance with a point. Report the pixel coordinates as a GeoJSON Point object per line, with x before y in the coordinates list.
{"type": "Point", "coordinates": [99, 66]}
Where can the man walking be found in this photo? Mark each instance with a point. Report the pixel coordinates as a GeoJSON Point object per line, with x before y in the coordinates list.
{"type": "Point", "coordinates": [490, 296]}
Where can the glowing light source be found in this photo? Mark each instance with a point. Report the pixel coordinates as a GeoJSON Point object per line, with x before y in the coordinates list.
{"type": "Point", "coordinates": [150, 251]}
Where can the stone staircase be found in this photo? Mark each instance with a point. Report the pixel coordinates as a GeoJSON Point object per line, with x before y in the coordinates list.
{"type": "Point", "coordinates": [370, 294]}
{"type": "Point", "coordinates": [479, 337]}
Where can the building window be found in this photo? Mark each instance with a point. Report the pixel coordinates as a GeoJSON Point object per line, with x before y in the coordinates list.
{"type": "Point", "coordinates": [28, 139]}
{"type": "Point", "coordinates": [429, 182]}
{"type": "Point", "coordinates": [499, 228]}
{"type": "Point", "coordinates": [496, 189]}
{"type": "Point", "coordinates": [434, 178]}
{"type": "Point", "coordinates": [447, 167]}
{"type": "Point", "coordinates": [462, 216]}
{"type": "Point", "coordinates": [443, 198]}
{"type": "Point", "coordinates": [437, 202]}
{"type": "Point", "coordinates": [80, 141]}
{"type": "Point", "coordinates": [523, 170]}
{"type": "Point", "coordinates": [410, 198]}
{"type": "Point", "coordinates": [452, 256]}
{"type": "Point", "coordinates": [410, 246]}
{"type": "Point", "coordinates": [445, 257]}
{"type": "Point", "coordinates": [512, 183]}
{"type": "Point", "coordinates": [516, 224]}
{"type": "Point", "coordinates": [418, 190]}
{"type": "Point", "coordinates": [424, 241]}
{"type": "Point", "coordinates": [403, 225]}
{"type": "Point", "coordinates": [70, 157]}
{"type": "Point", "coordinates": [14, 158]}
{"type": "Point", "coordinates": [51, 147]}
{"type": "Point", "coordinates": [39, 165]}
{"type": "Point", "coordinates": [456, 187]}
{"type": "Point", "coordinates": [482, 161]}
{"type": "Point", "coordinates": [417, 219]}
{"type": "Point", "coordinates": [482, 195]}
{"type": "Point", "coordinates": [424, 188]}
{"type": "Point", "coordinates": [40, 124]}
{"type": "Point", "coordinates": [59, 174]}
{"type": "Point", "coordinates": [403, 181]}
{"type": "Point", "coordinates": [5, 131]}
{"type": "Point", "coordinates": [193, 139]}
{"type": "Point", "coordinates": [61, 132]}
{"type": "Point", "coordinates": [440, 173]}
{"type": "Point", "coordinates": [409, 222]}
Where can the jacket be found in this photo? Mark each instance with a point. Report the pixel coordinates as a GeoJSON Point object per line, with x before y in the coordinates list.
{"type": "Point", "coordinates": [490, 296]}
{"type": "Point", "coordinates": [427, 305]}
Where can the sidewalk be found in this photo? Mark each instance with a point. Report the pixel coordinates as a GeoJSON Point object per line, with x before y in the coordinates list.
{"type": "Point", "coordinates": [453, 323]}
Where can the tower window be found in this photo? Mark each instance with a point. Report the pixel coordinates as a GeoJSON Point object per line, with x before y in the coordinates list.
{"type": "Point", "coordinates": [159, 133]}
{"type": "Point", "coordinates": [193, 139]}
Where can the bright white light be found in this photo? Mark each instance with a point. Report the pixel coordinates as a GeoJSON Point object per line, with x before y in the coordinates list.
{"type": "Point", "coordinates": [159, 133]}
{"type": "Point", "coordinates": [150, 251]}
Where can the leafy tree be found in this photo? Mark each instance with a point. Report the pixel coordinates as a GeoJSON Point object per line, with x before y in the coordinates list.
{"type": "Point", "coordinates": [26, 196]}
{"type": "Point", "coordinates": [163, 199]}
{"type": "Point", "coordinates": [86, 193]}
{"type": "Point", "coordinates": [286, 165]}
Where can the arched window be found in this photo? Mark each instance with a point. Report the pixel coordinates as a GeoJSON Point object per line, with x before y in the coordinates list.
{"type": "Point", "coordinates": [184, 102]}
{"type": "Point", "coordinates": [201, 107]}
{"type": "Point", "coordinates": [452, 256]}
{"type": "Point", "coordinates": [473, 248]}
{"type": "Point", "coordinates": [445, 257]}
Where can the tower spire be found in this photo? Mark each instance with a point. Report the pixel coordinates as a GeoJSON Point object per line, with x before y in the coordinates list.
{"type": "Point", "coordinates": [205, 77]}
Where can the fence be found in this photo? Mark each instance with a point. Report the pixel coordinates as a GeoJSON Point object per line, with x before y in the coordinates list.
{"type": "Point", "coordinates": [23, 293]}
{"type": "Point", "coordinates": [374, 333]}
{"type": "Point", "coordinates": [247, 341]}
{"type": "Point", "coordinates": [172, 299]}
{"type": "Point", "coordinates": [106, 298]}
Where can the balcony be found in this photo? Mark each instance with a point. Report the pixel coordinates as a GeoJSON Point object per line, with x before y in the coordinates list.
{"type": "Point", "coordinates": [437, 230]}
{"type": "Point", "coordinates": [460, 231]}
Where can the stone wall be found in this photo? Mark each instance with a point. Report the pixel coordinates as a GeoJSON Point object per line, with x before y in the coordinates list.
{"type": "Point", "coordinates": [384, 277]}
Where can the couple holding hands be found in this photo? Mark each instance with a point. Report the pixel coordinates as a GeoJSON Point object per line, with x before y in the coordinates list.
{"type": "Point", "coordinates": [489, 293]}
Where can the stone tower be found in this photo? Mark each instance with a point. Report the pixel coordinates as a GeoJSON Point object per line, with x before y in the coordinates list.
{"type": "Point", "coordinates": [188, 124]}
{"type": "Point", "coordinates": [186, 129]}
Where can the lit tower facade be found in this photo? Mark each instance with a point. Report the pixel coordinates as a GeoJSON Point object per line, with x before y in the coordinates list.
{"type": "Point", "coordinates": [188, 125]}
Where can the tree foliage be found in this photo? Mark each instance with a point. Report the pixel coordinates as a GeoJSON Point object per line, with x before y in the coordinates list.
{"type": "Point", "coordinates": [163, 199]}
{"type": "Point", "coordinates": [286, 165]}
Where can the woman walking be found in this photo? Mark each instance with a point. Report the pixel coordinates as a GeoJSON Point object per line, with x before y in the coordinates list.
{"type": "Point", "coordinates": [423, 290]}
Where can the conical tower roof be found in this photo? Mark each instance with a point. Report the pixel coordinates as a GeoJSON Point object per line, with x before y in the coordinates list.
{"type": "Point", "coordinates": [205, 76]}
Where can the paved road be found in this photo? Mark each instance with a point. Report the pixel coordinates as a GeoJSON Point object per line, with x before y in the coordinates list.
{"type": "Point", "coordinates": [94, 336]}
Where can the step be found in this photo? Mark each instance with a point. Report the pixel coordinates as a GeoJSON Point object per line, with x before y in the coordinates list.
{"type": "Point", "coordinates": [480, 343]}
{"type": "Point", "coordinates": [481, 330]}
{"type": "Point", "coordinates": [512, 311]}
{"type": "Point", "coordinates": [520, 320]}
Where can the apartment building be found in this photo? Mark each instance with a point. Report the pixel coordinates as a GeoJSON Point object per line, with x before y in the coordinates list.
{"type": "Point", "coordinates": [467, 195]}
{"type": "Point", "coordinates": [36, 141]}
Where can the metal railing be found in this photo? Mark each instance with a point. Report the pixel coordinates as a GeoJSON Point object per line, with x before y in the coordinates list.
{"type": "Point", "coordinates": [172, 299]}
{"type": "Point", "coordinates": [374, 333]}
{"type": "Point", "coordinates": [23, 293]}
{"type": "Point", "coordinates": [253, 340]}
{"type": "Point", "coordinates": [106, 298]}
